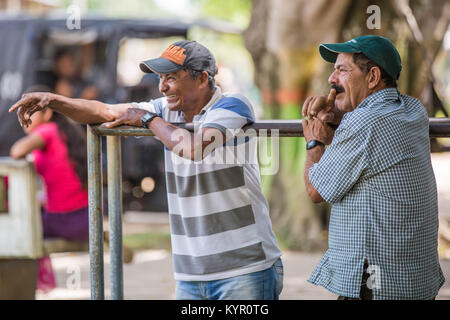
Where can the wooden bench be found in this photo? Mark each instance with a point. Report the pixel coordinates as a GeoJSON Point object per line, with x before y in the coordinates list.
{"type": "Point", "coordinates": [21, 241]}
{"type": "Point", "coordinates": [61, 245]}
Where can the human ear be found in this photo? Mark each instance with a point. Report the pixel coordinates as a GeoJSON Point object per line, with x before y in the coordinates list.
{"type": "Point", "coordinates": [374, 77]}
{"type": "Point", "coordinates": [204, 79]}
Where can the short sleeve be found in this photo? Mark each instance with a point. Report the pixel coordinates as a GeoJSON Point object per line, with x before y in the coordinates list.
{"type": "Point", "coordinates": [154, 106]}
{"type": "Point", "coordinates": [47, 131]}
{"type": "Point", "coordinates": [340, 167]}
{"type": "Point", "coordinates": [229, 114]}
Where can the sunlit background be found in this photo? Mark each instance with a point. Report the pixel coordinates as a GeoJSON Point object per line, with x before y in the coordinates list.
{"type": "Point", "coordinates": [267, 50]}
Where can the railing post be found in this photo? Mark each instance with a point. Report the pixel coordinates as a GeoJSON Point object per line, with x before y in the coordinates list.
{"type": "Point", "coordinates": [94, 152]}
{"type": "Point", "coordinates": [439, 127]}
{"type": "Point", "coordinates": [113, 148]}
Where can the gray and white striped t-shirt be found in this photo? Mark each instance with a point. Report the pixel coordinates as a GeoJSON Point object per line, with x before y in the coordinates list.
{"type": "Point", "coordinates": [220, 224]}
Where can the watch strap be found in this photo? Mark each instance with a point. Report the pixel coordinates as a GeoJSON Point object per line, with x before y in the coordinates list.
{"type": "Point", "coordinates": [147, 118]}
{"type": "Point", "coordinates": [314, 143]}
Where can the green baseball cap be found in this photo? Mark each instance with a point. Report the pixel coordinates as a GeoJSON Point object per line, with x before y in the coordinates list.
{"type": "Point", "coordinates": [378, 49]}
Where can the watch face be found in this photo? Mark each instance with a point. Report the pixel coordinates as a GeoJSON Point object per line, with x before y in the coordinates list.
{"type": "Point", "coordinates": [311, 144]}
{"type": "Point", "coordinates": [146, 118]}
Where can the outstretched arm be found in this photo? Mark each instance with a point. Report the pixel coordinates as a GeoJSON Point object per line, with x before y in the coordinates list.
{"type": "Point", "coordinates": [25, 145]}
{"type": "Point", "coordinates": [80, 110]}
{"type": "Point", "coordinates": [183, 143]}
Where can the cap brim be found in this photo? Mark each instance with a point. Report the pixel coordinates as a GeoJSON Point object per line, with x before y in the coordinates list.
{"type": "Point", "coordinates": [330, 51]}
{"type": "Point", "coordinates": [159, 65]}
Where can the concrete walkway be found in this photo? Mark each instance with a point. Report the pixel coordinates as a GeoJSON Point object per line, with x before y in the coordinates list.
{"type": "Point", "coordinates": [150, 277]}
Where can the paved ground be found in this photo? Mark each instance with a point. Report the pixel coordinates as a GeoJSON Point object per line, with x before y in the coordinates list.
{"type": "Point", "coordinates": [149, 276]}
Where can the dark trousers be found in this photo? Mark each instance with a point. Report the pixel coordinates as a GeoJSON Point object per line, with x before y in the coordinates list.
{"type": "Point", "coordinates": [365, 293]}
{"type": "Point", "coordinates": [72, 225]}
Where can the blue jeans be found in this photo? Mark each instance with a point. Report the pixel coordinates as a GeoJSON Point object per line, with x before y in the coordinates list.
{"type": "Point", "coordinates": [262, 285]}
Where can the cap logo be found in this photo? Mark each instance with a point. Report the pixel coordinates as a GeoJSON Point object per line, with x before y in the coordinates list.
{"type": "Point", "coordinates": [174, 54]}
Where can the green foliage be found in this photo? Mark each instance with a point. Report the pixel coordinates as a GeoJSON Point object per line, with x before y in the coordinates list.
{"type": "Point", "coordinates": [236, 11]}
{"type": "Point", "coordinates": [150, 240]}
{"type": "Point", "coordinates": [292, 149]}
{"type": "Point", "coordinates": [126, 9]}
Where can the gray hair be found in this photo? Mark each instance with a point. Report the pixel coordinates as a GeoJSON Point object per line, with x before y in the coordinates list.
{"type": "Point", "coordinates": [194, 74]}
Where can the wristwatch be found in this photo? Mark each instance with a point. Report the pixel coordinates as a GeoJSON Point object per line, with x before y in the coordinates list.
{"type": "Point", "coordinates": [314, 143]}
{"type": "Point", "coordinates": [147, 118]}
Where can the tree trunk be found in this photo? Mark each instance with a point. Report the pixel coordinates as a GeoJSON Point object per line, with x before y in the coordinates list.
{"type": "Point", "coordinates": [283, 38]}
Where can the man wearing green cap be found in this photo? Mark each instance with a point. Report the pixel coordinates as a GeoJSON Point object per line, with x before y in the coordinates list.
{"type": "Point", "coordinates": [376, 173]}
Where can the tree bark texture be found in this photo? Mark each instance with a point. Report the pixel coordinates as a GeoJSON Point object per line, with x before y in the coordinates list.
{"type": "Point", "coordinates": [283, 38]}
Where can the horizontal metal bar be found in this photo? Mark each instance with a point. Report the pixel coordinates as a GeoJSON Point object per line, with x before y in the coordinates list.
{"type": "Point", "coordinates": [439, 127]}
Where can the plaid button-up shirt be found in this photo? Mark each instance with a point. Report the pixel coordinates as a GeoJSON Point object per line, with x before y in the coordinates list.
{"type": "Point", "coordinates": [377, 175]}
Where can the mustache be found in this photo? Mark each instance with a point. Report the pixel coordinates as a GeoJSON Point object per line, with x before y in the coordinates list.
{"type": "Point", "coordinates": [338, 89]}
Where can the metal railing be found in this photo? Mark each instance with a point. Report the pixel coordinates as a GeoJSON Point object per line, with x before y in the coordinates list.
{"type": "Point", "coordinates": [439, 127]}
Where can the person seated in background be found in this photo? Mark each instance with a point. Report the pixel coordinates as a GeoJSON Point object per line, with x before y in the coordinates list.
{"type": "Point", "coordinates": [69, 83]}
{"type": "Point", "coordinates": [58, 147]}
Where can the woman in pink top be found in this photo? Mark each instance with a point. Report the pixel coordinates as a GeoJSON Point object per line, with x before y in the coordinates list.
{"type": "Point", "coordinates": [58, 146]}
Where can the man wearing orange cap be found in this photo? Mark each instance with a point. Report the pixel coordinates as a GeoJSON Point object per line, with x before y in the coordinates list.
{"type": "Point", "coordinates": [222, 240]}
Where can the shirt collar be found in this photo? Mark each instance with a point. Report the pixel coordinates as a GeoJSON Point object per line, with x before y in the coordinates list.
{"type": "Point", "coordinates": [217, 95]}
{"type": "Point", "coordinates": [386, 95]}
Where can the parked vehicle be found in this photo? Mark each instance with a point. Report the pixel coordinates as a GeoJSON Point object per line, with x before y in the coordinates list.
{"type": "Point", "coordinates": [27, 49]}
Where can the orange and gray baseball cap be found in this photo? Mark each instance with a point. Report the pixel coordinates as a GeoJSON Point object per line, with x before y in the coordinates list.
{"type": "Point", "coordinates": [181, 55]}
{"type": "Point", "coordinates": [378, 49]}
